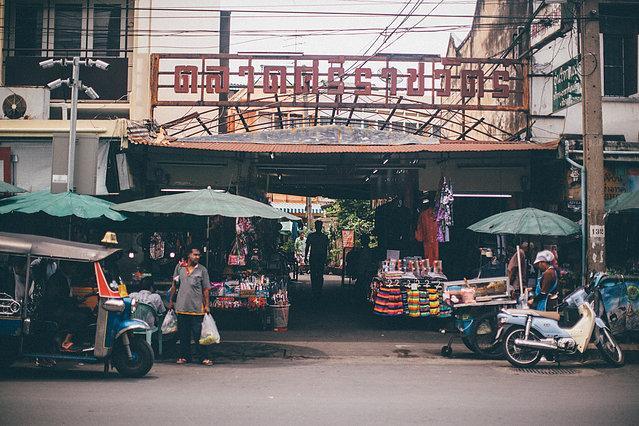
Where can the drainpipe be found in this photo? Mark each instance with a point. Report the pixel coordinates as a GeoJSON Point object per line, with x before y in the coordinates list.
{"type": "Point", "coordinates": [584, 239]}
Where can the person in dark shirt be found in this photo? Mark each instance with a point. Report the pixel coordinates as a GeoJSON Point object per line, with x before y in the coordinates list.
{"type": "Point", "coordinates": [317, 245]}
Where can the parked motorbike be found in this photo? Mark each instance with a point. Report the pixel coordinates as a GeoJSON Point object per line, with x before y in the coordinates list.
{"type": "Point", "coordinates": [527, 334]}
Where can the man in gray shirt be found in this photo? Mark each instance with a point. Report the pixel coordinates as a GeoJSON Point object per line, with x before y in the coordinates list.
{"type": "Point", "coordinates": [191, 279]}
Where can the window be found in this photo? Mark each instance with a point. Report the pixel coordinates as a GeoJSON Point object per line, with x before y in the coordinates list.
{"type": "Point", "coordinates": [28, 30]}
{"type": "Point", "coordinates": [68, 29]}
{"type": "Point", "coordinates": [620, 64]}
{"type": "Point", "coordinates": [106, 30]}
{"type": "Point", "coordinates": [619, 24]}
{"type": "Point", "coordinates": [410, 127]}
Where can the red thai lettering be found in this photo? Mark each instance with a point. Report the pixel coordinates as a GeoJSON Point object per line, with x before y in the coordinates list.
{"type": "Point", "coordinates": [335, 84]}
{"type": "Point", "coordinates": [185, 79]}
{"type": "Point", "coordinates": [390, 75]}
{"type": "Point", "coordinates": [444, 77]}
{"type": "Point", "coordinates": [363, 87]}
{"type": "Point", "coordinates": [472, 83]}
{"type": "Point", "coordinates": [501, 90]}
{"type": "Point", "coordinates": [274, 79]}
{"type": "Point", "coordinates": [306, 79]}
{"type": "Point", "coordinates": [218, 80]}
{"type": "Point", "coordinates": [416, 75]}
{"type": "Point", "coordinates": [248, 70]}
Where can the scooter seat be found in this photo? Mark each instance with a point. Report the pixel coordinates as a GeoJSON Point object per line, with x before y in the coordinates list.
{"type": "Point", "coordinates": [525, 312]}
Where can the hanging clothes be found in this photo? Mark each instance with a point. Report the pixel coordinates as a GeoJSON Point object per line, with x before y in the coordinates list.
{"type": "Point", "coordinates": [426, 233]}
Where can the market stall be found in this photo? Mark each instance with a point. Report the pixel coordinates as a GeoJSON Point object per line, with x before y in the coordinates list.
{"type": "Point", "coordinates": [409, 287]}
{"type": "Point", "coordinates": [475, 304]}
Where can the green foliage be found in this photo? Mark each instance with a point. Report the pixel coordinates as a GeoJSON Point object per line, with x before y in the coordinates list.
{"type": "Point", "coordinates": [353, 214]}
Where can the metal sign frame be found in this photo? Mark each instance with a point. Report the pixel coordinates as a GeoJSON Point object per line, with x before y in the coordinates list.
{"type": "Point", "coordinates": [388, 81]}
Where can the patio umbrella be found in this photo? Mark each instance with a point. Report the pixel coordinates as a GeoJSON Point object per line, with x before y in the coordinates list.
{"type": "Point", "coordinates": [7, 188]}
{"type": "Point", "coordinates": [528, 221]}
{"type": "Point", "coordinates": [204, 202]}
{"type": "Point", "coordinates": [624, 202]}
{"type": "Point", "coordinates": [64, 204]}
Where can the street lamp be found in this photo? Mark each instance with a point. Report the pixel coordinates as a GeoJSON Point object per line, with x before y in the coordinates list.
{"type": "Point", "coordinates": [76, 85]}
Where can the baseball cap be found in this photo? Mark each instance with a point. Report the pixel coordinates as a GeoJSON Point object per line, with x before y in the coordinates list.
{"type": "Point", "coordinates": [544, 256]}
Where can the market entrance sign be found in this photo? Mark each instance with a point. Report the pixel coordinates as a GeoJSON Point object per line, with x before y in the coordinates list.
{"type": "Point", "coordinates": [290, 80]}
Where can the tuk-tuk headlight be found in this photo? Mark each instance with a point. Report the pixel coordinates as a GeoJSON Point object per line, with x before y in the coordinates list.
{"type": "Point", "coordinates": [134, 305]}
{"type": "Point", "coordinates": [114, 305]}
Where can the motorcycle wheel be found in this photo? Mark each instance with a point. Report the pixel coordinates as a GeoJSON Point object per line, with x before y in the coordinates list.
{"type": "Point", "coordinates": [520, 357]}
{"type": "Point", "coordinates": [610, 350]}
{"type": "Point", "coordinates": [142, 358]}
{"type": "Point", "coordinates": [484, 333]}
{"type": "Point", "coordinates": [466, 341]}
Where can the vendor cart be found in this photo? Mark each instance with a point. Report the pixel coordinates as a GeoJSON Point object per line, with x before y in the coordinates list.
{"type": "Point", "coordinates": [476, 315]}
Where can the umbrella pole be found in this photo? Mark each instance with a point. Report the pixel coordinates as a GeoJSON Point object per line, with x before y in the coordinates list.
{"type": "Point", "coordinates": [208, 235]}
{"type": "Point", "coordinates": [521, 279]}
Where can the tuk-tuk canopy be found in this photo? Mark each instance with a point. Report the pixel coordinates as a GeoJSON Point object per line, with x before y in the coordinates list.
{"type": "Point", "coordinates": [37, 245]}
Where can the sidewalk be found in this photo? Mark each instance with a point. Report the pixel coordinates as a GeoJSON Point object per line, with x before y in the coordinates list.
{"type": "Point", "coordinates": [339, 327]}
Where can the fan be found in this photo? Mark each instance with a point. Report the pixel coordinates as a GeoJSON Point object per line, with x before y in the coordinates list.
{"type": "Point", "coordinates": [14, 106]}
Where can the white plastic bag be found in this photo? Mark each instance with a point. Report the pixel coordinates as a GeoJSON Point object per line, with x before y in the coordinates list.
{"type": "Point", "coordinates": [169, 325]}
{"type": "Point", "coordinates": [209, 333]}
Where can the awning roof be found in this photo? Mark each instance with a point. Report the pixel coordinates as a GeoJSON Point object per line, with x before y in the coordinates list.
{"type": "Point", "coordinates": [297, 207]}
{"type": "Point", "coordinates": [441, 147]}
{"type": "Point", "coordinates": [37, 245]}
{"type": "Point", "coordinates": [328, 139]}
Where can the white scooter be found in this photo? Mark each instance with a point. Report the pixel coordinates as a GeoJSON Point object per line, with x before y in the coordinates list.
{"type": "Point", "coordinates": [527, 335]}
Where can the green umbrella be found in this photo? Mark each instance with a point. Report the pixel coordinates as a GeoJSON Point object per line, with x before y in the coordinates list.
{"type": "Point", "coordinates": [204, 202]}
{"type": "Point", "coordinates": [7, 188]}
{"type": "Point", "coordinates": [624, 202]}
{"type": "Point", "coordinates": [64, 204]}
{"type": "Point", "coordinates": [528, 221]}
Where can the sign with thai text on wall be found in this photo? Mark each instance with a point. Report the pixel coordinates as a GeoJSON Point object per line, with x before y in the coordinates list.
{"type": "Point", "coordinates": [566, 85]}
{"type": "Point", "coordinates": [323, 81]}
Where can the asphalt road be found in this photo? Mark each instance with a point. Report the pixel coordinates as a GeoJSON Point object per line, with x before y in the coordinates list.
{"type": "Point", "coordinates": [337, 364]}
{"type": "Point", "coordinates": [345, 390]}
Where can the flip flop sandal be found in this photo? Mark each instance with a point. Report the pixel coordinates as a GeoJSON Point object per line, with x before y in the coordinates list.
{"type": "Point", "coordinates": [207, 362]}
{"type": "Point", "coordinates": [181, 361]}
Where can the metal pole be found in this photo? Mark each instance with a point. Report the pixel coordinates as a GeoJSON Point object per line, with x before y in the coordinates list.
{"type": "Point", "coordinates": [208, 236]}
{"type": "Point", "coordinates": [584, 216]}
{"type": "Point", "coordinates": [521, 279]}
{"type": "Point", "coordinates": [593, 133]}
{"type": "Point", "coordinates": [75, 87]}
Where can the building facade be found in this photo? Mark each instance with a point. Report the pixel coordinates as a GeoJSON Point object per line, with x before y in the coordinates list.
{"type": "Point", "coordinates": [34, 123]}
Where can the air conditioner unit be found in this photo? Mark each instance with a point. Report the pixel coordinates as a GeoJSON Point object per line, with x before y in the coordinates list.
{"type": "Point", "coordinates": [23, 102]}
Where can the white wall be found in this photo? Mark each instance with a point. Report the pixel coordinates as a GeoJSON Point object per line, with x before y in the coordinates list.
{"type": "Point", "coordinates": [33, 169]}
{"type": "Point", "coordinates": [185, 32]}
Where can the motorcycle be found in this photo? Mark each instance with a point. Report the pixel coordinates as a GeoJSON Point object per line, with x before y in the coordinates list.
{"type": "Point", "coordinates": [527, 334]}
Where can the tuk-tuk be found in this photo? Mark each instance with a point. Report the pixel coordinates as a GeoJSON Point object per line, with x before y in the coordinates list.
{"type": "Point", "coordinates": [111, 340]}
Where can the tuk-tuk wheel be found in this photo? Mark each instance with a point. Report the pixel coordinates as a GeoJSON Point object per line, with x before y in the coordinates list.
{"type": "Point", "coordinates": [142, 357]}
{"type": "Point", "coordinates": [446, 351]}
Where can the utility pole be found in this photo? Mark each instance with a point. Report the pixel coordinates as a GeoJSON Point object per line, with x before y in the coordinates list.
{"type": "Point", "coordinates": [592, 134]}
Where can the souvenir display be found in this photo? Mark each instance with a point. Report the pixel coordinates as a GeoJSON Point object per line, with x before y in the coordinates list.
{"type": "Point", "coordinates": [408, 287]}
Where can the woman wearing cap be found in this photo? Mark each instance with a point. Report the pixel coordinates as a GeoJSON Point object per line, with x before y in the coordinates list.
{"type": "Point", "coordinates": [547, 281]}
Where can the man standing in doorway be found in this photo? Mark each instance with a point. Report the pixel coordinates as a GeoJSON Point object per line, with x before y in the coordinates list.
{"type": "Point", "coordinates": [193, 285]}
{"type": "Point", "coordinates": [317, 244]}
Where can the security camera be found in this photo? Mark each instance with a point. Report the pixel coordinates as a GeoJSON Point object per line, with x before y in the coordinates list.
{"type": "Point", "coordinates": [49, 63]}
{"type": "Point", "coordinates": [98, 63]}
{"type": "Point", "coordinates": [57, 83]}
{"type": "Point", "coordinates": [91, 93]}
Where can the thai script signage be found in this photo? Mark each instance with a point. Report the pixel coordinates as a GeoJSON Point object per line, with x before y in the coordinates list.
{"type": "Point", "coordinates": [566, 84]}
{"type": "Point", "coordinates": [422, 81]}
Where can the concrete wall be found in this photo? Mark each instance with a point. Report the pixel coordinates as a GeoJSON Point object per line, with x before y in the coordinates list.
{"type": "Point", "coordinates": [484, 42]}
